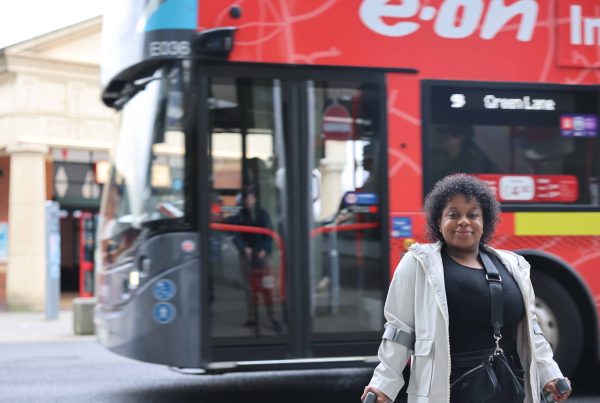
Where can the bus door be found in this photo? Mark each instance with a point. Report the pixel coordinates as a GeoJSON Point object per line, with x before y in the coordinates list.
{"type": "Point", "coordinates": [294, 188]}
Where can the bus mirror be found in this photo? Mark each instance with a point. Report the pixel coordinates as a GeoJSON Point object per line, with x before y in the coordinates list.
{"type": "Point", "coordinates": [217, 42]}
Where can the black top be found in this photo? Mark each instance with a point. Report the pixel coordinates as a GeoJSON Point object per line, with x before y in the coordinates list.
{"type": "Point", "coordinates": [257, 217]}
{"type": "Point", "coordinates": [468, 296]}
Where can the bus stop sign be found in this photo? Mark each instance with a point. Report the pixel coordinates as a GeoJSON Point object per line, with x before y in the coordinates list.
{"type": "Point", "coordinates": [337, 123]}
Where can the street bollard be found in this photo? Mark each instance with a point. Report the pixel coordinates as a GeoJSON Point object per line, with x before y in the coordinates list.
{"type": "Point", "coordinates": [83, 315]}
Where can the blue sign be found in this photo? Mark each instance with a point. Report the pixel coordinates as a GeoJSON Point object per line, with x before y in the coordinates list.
{"type": "Point", "coordinates": [402, 227]}
{"type": "Point", "coordinates": [360, 199]}
{"type": "Point", "coordinates": [579, 125]}
{"type": "Point", "coordinates": [164, 290]}
{"type": "Point", "coordinates": [172, 14]}
{"type": "Point", "coordinates": [177, 184]}
{"type": "Point", "coordinates": [3, 241]}
{"type": "Point", "coordinates": [163, 313]}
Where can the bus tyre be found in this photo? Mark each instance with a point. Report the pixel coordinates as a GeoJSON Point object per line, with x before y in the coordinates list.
{"type": "Point", "coordinates": [559, 319]}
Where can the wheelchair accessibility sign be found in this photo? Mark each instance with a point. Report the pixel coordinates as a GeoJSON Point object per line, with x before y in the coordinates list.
{"type": "Point", "coordinates": [163, 313]}
{"type": "Point", "coordinates": [164, 290]}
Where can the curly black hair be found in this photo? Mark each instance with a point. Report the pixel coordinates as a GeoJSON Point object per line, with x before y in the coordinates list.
{"type": "Point", "coordinates": [469, 186]}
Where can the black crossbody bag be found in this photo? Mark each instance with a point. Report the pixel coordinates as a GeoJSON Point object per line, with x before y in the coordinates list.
{"type": "Point", "coordinates": [492, 380]}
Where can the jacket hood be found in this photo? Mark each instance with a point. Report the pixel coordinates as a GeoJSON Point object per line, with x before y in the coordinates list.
{"type": "Point", "coordinates": [510, 259]}
{"type": "Point", "coordinates": [424, 249]}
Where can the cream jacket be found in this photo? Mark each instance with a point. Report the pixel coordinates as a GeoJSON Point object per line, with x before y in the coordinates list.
{"type": "Point", "coordinates": [416, 303]}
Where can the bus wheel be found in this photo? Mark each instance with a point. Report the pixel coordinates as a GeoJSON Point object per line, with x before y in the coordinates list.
{"type": "Point", "coordinates": [559, 319]}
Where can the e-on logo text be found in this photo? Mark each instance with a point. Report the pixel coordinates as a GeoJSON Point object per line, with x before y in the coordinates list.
{"type": "Point", "coordinates": [454, 19]}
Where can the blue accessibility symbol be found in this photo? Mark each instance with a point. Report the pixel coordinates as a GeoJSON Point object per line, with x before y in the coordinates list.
{"type": "Point", "coordinates": [164, 290]}
{"type": "Point", "coordinates": [164, 312]}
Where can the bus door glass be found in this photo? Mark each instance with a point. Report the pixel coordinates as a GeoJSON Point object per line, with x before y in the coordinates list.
{"type": "Point", "coordinates": [246, 282]}
{"type": "Point", "coordinates": [314, 149]}
{"type": "Point", "coordinates": [346, 232]}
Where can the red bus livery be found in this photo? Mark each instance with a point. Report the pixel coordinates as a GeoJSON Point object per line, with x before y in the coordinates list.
{"type": "Point", "coordinates": [338, 116]}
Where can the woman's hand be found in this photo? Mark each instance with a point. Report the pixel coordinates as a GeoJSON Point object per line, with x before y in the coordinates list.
{"type": "Point", "coordinates": [551, 387]}
{"type": "Point", "coordinates": [381, 397]}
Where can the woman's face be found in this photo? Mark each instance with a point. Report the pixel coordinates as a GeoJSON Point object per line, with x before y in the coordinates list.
{"type": "Point", "coordinates": [461, 223]}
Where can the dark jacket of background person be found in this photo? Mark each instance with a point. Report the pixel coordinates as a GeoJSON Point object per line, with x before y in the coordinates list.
{"type": "Point", "coordinates": [257, 218]}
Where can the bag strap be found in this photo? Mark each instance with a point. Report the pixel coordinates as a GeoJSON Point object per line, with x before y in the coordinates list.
{"type": "Point", "coordinates": [497, 304]}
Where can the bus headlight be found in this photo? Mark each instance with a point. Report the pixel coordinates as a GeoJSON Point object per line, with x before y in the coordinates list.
{"type": "Point", "coordinates": [134, 279]}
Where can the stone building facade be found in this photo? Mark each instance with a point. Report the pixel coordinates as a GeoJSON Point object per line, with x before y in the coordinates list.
{"type": "Point", "coordinates": [52, 124]}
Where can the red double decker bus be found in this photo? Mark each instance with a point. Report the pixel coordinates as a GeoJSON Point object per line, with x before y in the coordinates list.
{"type": "Point", "coordinates": [274, 158]}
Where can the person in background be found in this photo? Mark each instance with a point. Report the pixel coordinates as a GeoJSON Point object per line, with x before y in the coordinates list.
{"type": "Point", "coordinates": [455, 152]}
{"type": "Point", "coordinates": [438, 306]}
{"type": "Point", "coordinates": [369, 165]}
{"type": "Point", "coordinates": [255, 250]}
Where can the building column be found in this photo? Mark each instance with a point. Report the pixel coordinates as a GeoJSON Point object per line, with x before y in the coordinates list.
{"type": "Point", "coordinates": [26, 271]}
{"type": "Point", "coordinates": [331, 168]}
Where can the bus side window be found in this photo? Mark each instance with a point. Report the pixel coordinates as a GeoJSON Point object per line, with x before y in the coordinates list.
{"type": "Point", "coordinates": [455, 151]}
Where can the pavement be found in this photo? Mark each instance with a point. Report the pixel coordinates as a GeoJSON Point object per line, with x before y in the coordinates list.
{"type": "Point", "coordinates": [33, 327]}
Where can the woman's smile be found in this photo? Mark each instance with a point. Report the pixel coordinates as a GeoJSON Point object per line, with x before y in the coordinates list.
{"type": "Point", "coordinates": [463, 233]}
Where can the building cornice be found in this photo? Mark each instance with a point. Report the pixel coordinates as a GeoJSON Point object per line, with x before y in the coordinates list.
{"type": "Point", "coordinates": [37, 55]}
{"type": "Point", "coordinates": [59, 36]}
{"type": "Point", "coordinates": [31, 63]}
{"type": "Point", "coordinates": [88, 145]}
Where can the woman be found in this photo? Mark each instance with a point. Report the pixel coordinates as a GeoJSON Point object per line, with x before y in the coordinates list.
{"type": "Point", "coordinates": [438, 304]}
